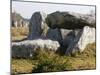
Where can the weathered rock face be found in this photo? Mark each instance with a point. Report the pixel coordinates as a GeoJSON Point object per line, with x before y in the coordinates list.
{"type": "Point", "coordinates": [37, 26]}
{"type": "Point", "coordinates": [54, 34]}
{"type": "Point", "coordinates": [87, 37]}
{"type": "Point", "coordinates": [71, 31]}
{"type": "Point", "coordinates": [68, 20]}
{"type": "Point", "coordinates": [28, 47]}
{"type": "Point", "coordinates": [67, 37]}
{"type": "Point", "coordinates": [84, 37]}
{"type": "Point", "coordinates": [44, 25]}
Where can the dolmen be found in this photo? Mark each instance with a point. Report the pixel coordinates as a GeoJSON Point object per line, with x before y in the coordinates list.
{"type": "Point", "coordinates": [73, 31]}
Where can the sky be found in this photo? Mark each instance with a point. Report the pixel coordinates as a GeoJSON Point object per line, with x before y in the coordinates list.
{"type": "Point", "coordinates": [26, 9]}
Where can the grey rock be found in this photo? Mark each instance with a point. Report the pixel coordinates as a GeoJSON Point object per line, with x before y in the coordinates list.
{"type": "Point", "coordinates": [28, 47]}
{"type": "Point", "coordinates": [37, 25]}
{"type": "Point", "coordinates": [54, 34]}
{"type": "Point", "coordinates": [70, 30]}
{"type": "Point", "coordinates": [67, 37]}
{"type": "Point", "coordinates": [84, 37]}
{"type": "Point", "coordinates": [88, 36]}
{"type": "Point", "coordinates": [68, 20]}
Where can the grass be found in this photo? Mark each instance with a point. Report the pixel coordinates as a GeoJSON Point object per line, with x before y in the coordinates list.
{"type": "Point", "coordinates": [52, 62]}
{"type": "Point", "coordinates": [47, 61]}
{"type": "Point", "coordinates": [19, 33]}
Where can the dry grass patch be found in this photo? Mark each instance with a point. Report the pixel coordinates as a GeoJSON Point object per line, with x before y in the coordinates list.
{"type": "Point", "coordinates": [22, 66]}
{"type": "Point", "coordinates": [51, 62]}
{"type": "Point", "coordinates": [19, 33]}
{"type": "Point", "coordinates": [86, 59]}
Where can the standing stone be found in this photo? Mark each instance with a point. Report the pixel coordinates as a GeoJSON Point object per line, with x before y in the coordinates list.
{"type": "Point", "coordinates": [87, 37]}
{"type": "Point", "coordinates": [20, 23]}
{"type": "Point", "coordinates": [84, 37]}
{"type": "Point", "coordinates": [15, 24]}
{"type": "Point", "coordinates": [37, 25]}
{"type": "Point", "coordinates": [54, 34]}
{"type": "Point", "coordinates": [25, 24]}
{"type": "Point", "coordinates": [67, 37]}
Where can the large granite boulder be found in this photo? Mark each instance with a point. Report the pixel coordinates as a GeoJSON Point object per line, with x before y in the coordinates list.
{"type": "Point", "coordinates": [37, 25]}
{"type": "Point", "coordinates": [82, 38]}
{"type": "Point", "coordinates": [68, 20]}
{"type": "Point", "coordinates": [28, 47]}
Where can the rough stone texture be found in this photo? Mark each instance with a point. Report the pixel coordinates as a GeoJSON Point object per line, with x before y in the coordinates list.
{"type": "Point", "coordinates": [68, 32]}
{"type": "Point", "coordinates": [26, 48]}
{"type": "Point", "coordinates": [54, 34]}
{"type": "Point", "coordinates": [68, 20]}
{"type": "Point", "coordinates": [63, 36]}
{"type": "Point", "coordinates": [67, 37]}
{"type": "Point", "coordinates": [88, 36]}
{"type": "Point", "coordinates": [44, 25]}
{"type": "Point", "coordinates": [37, 25]}
{"type": "Point", "coordinates": [84, 37]}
